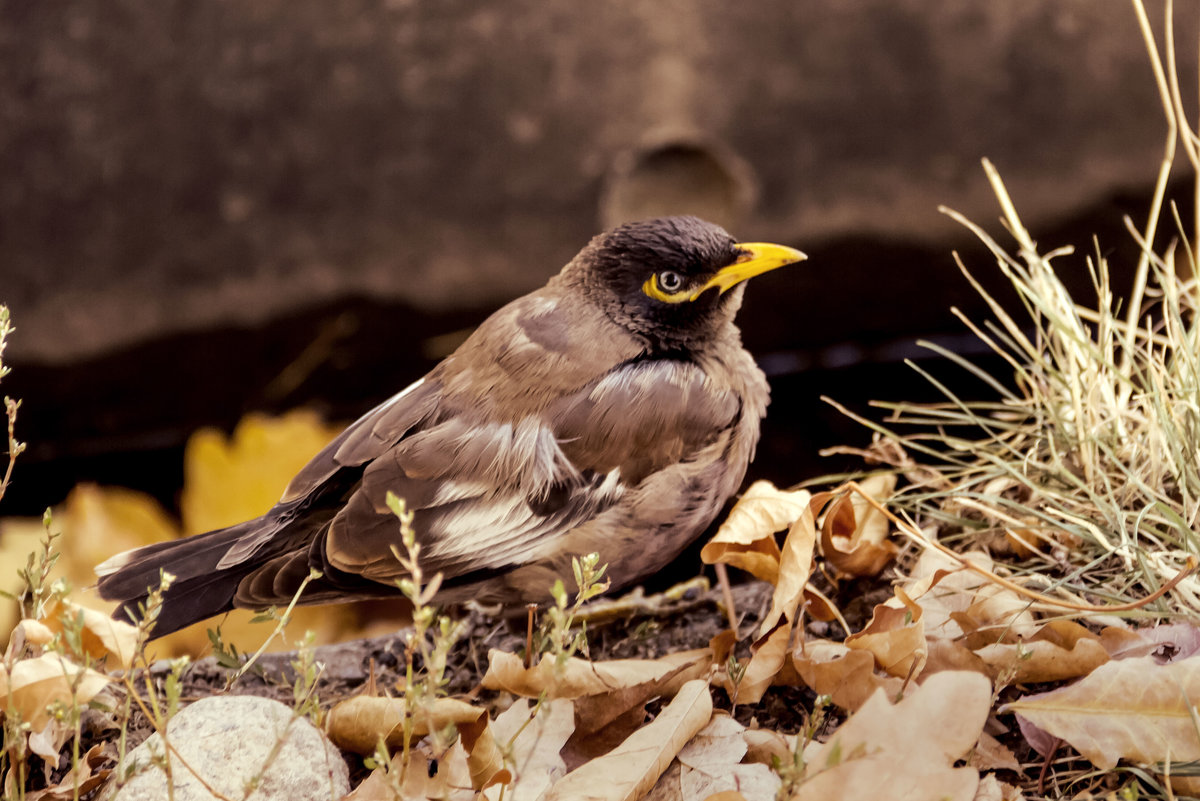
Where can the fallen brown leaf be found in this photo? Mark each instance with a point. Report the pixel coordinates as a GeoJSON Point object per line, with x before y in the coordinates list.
{"type": "Point", "coordinates": [991, 754]}
{"type": "Point", "coordinates": [533, 743]}
{"type": "Point", "coordinates": [581, 677]}
{"type": "Point", "coordinates": [40, 682]}
{"type": "Point", "coordinates": [992, 789]}
{"type": "Point", "coordinates": [846, 675]}
{"type": "Point", "coordinates": [854, 535]}
{"type": "Point", "coordinates": [712, 762]}
{"type": "Point", "coordinates": [1061, 649]}
{"type": "Point", "coordinates": [746, 539]}
{"type": "Point", "coordinates": [101, 635]}
{"type": "Point", "coordinates": [1133, 709]}
{"type": "Point", "coordinates": [764, 746]}
{"type": "Point", "coordinates": [82, 779]}
{"type": "Point", "coordinates": [356, 724]}
{"type": "Point", "coordinates": [769, 657]}
{"type": "Point", "coordinates": [907, 750]}
{"type": "Point", "coordinates": [795, 567]}
{"type": "Point", "coordinates": [417, 781]}
{"type": "Point", "coordinates": [895, 635]}
{"type": "Point", "coordinates": [632, 768]}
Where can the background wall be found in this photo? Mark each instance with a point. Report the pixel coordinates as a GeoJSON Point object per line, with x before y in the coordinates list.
{"type": "Point", "coordinates": [213, 207]}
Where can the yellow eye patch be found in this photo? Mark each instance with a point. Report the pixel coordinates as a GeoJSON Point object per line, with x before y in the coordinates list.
{"type": "Point", "coordinates": [652, 289]}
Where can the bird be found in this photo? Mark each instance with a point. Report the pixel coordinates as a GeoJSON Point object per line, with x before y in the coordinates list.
{"type": "Point", "coordinates": [612, 411]}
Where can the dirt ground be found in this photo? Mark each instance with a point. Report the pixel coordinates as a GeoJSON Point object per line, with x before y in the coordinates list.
{"type": "Point", "coordinates": [648, 632]}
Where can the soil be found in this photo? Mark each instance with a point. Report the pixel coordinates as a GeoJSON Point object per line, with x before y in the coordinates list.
{"type": "Point", "coordinates": [650, 629]}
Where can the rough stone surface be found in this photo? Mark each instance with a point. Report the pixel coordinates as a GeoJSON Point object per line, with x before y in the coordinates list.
{"type": "Point", "coordinates": [172, 165]}
{"type": "Point", "coordinates": [229, 740]}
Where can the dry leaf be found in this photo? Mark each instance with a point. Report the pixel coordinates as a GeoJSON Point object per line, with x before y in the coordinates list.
{"type": "Point", "coordinates": [42, 681]}
{"type": "Point", "coordinates": [1173, 640]}
{"type": "Point", "coordinates": [82, 779]}
{"type": "Point", "coordinates": [357, 723]}
{"type": "Point", "coordinates": [632, 768]}
{"type": "Point", "coordinates": [854, 535]}
{"type": "Point", "coordinates": [1062, 649]}
{"type": "Point", "coordinates": [769, 657]}
{"type": "Point", "coordinates": [711, 766]}
{"type": "Point", "coordinates": [905, 751]}
{"type": "Point", "coordinates": [991, 754]}
{"type": "Point", "coordinates": [763, 746]}
{"type": "Point", "coordinates": [580, 677]}
{"type": "Point", "coordinates": [992, 789]}
{"type": "Point", "coordinates": [28, 632]}
{"type": "Point", "coordinates": [712, 763]}
{"type": "Point", "coordinates": [101, 635]}
{"type": "Point", "coordinates": [1134, 709]}
{"type": "Point", "coordinates": [746, 539]}
{"type": "Point", "coordinates": [534, 747]}
{"type": "Point", "coordinates": [795, 567]}
{"type": "Point", "coordinates": [594, 712]}
{"type": "Point", "coordinates": [947, 591]}
{"type": "Point", "coordinates": [847, 676]}
{"type": "Point", "coordinates": [895, 635]}
{"type": "Point", "coordinates": [449, 782]}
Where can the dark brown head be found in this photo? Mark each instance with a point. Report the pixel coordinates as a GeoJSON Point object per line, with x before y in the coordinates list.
{"type": "Point", "coordinates": [669, 280]}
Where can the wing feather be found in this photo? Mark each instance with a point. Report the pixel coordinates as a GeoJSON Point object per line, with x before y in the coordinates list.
{"type": "Point", "coordinates": [488, 496]}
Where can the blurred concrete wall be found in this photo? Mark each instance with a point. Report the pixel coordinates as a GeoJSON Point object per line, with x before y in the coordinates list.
{"type": "Point", "coordinates": [175, 165]}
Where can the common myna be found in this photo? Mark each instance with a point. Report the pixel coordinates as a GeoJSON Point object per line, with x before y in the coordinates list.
{"type": "Point", "coordinates": [613, 410]}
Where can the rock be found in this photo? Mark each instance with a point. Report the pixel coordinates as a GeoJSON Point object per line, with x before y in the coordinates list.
{"type": "Point", "coordinates": [229, 741]}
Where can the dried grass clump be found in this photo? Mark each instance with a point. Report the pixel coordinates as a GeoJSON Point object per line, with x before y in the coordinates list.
{"type": "Point", "coordinates": [1087, 463]}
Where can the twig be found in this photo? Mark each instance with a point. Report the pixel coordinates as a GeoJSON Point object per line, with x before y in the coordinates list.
{"type": "Point", "coordinates": [727, 598]}
{"type": "Point", "coordinates": [284, 619]}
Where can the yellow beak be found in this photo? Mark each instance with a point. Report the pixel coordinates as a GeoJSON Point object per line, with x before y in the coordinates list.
{"type": "Point", "coordinates": [757, 258]}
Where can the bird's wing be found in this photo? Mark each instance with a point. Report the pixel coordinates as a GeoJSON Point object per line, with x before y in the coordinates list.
{"type": "Point", "coordinates": [367, 438]}
{"type": "Point", "coordinates": [490, 496]}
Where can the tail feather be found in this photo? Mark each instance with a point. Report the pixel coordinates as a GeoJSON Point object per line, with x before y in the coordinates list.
{"type": "Point", "coordinates": [199, 590]}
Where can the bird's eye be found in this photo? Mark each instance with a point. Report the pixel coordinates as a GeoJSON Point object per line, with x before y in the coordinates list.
{"type": "Point", "coordinates": [670, 281]}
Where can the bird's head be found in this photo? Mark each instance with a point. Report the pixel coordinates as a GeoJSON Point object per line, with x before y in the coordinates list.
{"type": "Point", "coordinates": [673, 280]}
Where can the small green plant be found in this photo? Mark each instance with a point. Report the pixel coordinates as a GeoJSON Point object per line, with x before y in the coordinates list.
{"type": "Point", "coordinates": [10, 406]}
{"type": "Point", "coordinates": [429, 641]}
{"type": "Point", "coordinates": [558, 635]}
{"type": "Point", "coordinates": [736, 670]}
{"type": "Point", "coordinates": [792, 772]}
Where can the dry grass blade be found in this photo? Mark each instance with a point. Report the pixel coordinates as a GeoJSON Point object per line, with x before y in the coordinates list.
{"type": "Point", "coordinates": [1093, 445]}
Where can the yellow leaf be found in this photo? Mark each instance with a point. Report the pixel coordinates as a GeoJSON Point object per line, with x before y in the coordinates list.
{"type": "Point", "coordinates": [231, 479]}
{"type": "Point", "coordinates": [1132, 709]}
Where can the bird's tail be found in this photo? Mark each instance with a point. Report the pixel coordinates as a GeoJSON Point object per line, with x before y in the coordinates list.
{"type": "Point", "coordinates": [199, 589]}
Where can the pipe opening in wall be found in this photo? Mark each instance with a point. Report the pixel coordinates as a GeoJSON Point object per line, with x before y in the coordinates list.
{"type": "Point", "coordinates": [678, 177]}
